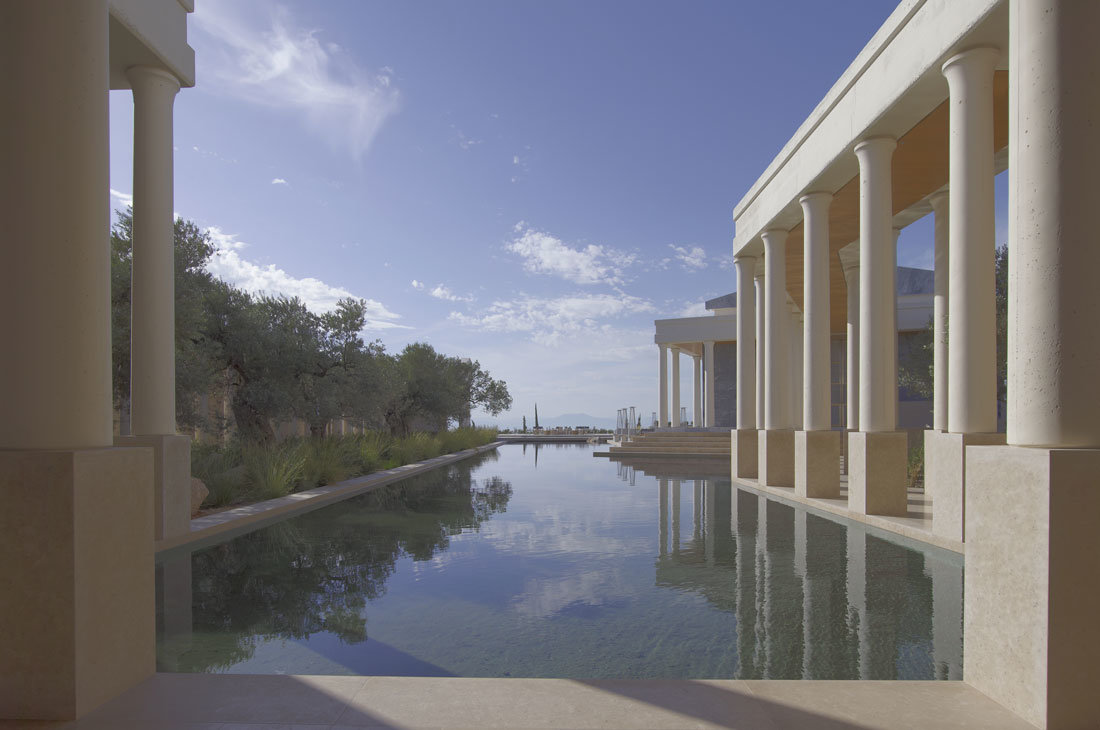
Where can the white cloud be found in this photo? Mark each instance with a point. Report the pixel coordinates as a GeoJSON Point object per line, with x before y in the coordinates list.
{"type": "Point", "coordinates": [418, 285]}
{"type": "Point", "coordinates": [442, 292]}
{"type": "Point", "coordinates": [548, 320]}
{"type": "Point", "coordinates": [693, 309]}
{"type": "Point", "coordinates": [227, 264]}
{"type": "Point", "coordinates": [279, 181]}
{"type": "Point", "coordinates": [462, 140]}
{"type": "Point", "coordinates": [289, 67]}
{"type": "Point", "coordinates": [124, 199]}
{"type": "Point", "coordinates": [693, 259]}
{"type": "Point", "coordinates": [545, 254]}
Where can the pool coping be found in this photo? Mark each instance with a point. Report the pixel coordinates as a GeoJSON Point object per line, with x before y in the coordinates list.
{"type": "Point", "coordinates": [253, 516]}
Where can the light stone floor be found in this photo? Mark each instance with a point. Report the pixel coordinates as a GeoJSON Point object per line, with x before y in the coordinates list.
{"type": "Point", "coordinates": [273, 702]}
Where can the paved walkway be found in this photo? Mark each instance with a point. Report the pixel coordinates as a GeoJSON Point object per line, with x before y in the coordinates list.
{"type": "Point", "coordinates": [271, 702]}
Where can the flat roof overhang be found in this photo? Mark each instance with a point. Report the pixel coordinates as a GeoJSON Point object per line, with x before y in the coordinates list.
{"type": "Point", "coordinates": [894, 87]}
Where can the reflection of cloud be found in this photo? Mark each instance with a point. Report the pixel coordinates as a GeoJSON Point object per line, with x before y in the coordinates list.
{"type": "Point", "coordinates": [543, 598]}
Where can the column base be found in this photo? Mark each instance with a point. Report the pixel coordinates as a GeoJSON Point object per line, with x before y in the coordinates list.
{"type": "Point", "coordinates": [775, 457]}
{"type": "Point", "coordinates": [743, 454]}
{"type": "Point", "coordinates": [171, 482]}
{"type": "Point", "coordinates": [945, 477]}
{"type": "Point", "coordinates": [817, 464]}
{"type": "Point", "coordinates": [876, 472]}
{"type": "Point", "coordinates": [77, 603]}
{"type": "Point", "coordinates": [1032, 557]}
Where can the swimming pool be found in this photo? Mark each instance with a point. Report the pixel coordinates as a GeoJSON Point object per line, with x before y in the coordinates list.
{"type": "Point", "coordinates": [567, 566]}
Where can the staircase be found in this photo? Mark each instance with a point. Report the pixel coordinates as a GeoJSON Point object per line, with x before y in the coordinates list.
{"type": "Point", "coordinates": [676, 443]}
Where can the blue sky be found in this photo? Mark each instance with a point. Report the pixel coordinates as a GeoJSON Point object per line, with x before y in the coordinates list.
{"type": "Point", "coordinates": [529, 184]}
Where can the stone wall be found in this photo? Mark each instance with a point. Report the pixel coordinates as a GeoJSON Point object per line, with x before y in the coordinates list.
{"type": "Point", "coordinates": [725, 384]}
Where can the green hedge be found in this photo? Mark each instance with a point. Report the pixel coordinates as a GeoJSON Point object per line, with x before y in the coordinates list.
{"type": "Point", "coordinates": [237, 474]}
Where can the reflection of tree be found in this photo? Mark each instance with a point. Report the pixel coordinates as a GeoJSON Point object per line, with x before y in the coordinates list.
{"type": "Point", "coordinates": [315, 573]}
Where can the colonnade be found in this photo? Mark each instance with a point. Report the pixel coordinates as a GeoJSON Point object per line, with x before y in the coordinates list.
{"type": "Point", "coordinates": [80, 518]}
{"type": "Point", "coordinates": [703, 400]}
{"type": "Point", "coordinates": [792, 434]}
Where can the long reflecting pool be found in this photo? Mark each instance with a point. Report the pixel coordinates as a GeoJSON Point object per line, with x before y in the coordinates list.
{"type": "Point", "coordinates": [551, 563]}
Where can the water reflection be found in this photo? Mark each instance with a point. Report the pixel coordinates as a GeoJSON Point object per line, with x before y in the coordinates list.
{"type": "Point", "coordinates": [813, 598]}
{"type": "Point", "coordinates": [454, 572]}
{"type": "Point", "coordinates": [312, 574]}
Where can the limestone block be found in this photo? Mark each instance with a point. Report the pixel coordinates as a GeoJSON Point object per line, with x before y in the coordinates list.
{"type": "Point", "coordinates": [743, 454]}
{"type": "Point", "coordinates": [775, 458]}
{"type": "Point", "coordinates": [944, 478]}
{"type": "Point", "coordinates": [76, 581]}
{"type": "Point", "coordinates": [1031, 589]}
{"type": "Point", "coordinates": [199, 492]}
{"type": "Point", "coordinates": [876, 472]}
{"type": "Point", "coordinates": [171, 509]}
{"type": "Point", "coordinates": [817, 464]}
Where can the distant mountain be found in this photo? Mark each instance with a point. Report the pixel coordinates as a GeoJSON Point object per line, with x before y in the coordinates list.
{"type": "Point", "coordinates": [565, 419]}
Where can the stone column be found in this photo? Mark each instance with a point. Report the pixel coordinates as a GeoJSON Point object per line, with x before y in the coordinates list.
{"type": "Point", "coordinates": [708, 369]}
{"type": "Point", "coordinates": [816, 446]}
{"type": "Point", "coordinates": [153, 325]}
{"type": "Point", "coordinates": [76, 579]}
{"type": "Point", "coordinates": [877, 452]}
{"type": "Point", "coordinates": [775, 444]}
{"type": "Point", "coordinates": [941, 208]}
{"type": "Point", "coordinates": [972, 347]}
{"type": "Point", "coordinates": [153, 347]}
{"type": "Point", "coordinates": [675, 386]}
{"type": "Point", "coordinates": [851, 281]}
{"type": "Point", "coordinates": [697, 401]}
{"type": "Point", "coordinates": [1032, 554]}
{"type": "Point", "coordinates": [761, 373]}
{"type": "Point", "coordinates": [662, 398]}
{"type": "Point", "coordinates": [744, 446]}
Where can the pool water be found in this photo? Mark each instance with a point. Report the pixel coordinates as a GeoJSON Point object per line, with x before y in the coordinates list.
{"type": "Point", "coordinates": [548, 562]}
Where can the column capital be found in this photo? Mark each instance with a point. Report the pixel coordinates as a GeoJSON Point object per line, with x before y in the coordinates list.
{"type": "Point", "coordinates": [875, 146]}
{"type": "Point", "coordinates": [980, 59]}
{"type": "Point", "coordinates": [816, 199]}
{"type": "Point", "coordinates": [151, 77]}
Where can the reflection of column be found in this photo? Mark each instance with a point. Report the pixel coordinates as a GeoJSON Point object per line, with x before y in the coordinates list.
{"type": "Point", "coordinates": [174, 596]}
{"type": "Point", "coordinates": [743, 524]}
{"type": "Point", "coordinates": [764, 603]}
{"type": "Point", "coordinates": [675, 516]}
{"type": "Point", "coordinates": [662, 517]}
{"type": "Point", "coordinates": [711, 513]}
{"type": "Point", "coordinates": [800, 548]}
{"type": "Point", "coordinates": [675, 386]}
{"type": "Point", "coordinates": [697, 512]}
{"type": "Point", "coordinates": [857, 597]}
{"type": "Point", "coordinates": [947, 618]}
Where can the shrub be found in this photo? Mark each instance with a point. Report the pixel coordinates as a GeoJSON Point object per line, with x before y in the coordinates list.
{"type": "Point", "coordinates": [415, 447]}
{"type": "Point", "coordinates": [373, 449]}
{"type": "Point", "coordinates": [273, 471]}
{"type": "Point", "coordinates": [329, 460]}
{"type": "Point", "coordinates": [915, 467]}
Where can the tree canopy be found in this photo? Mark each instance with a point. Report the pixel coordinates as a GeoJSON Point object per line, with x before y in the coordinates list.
{"type": "Point", "coordinates": [278, 360]}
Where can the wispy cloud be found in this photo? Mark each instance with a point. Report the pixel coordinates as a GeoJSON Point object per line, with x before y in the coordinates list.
{"type": "Point", "coordinates": [285, 66]}
{"type": "Point", "coordinates": [693, 309]}
{"type": "Point", "coordinates": [691, 259]}
{"type": "Point", "coordinates": [279, 181]}
{"type": "Point", "coordinates": [124, 199]}
{"type": "Point", "coordinates": [228, 265]}
{"type": "Point", "coordinates": [547, 320]}
{"type": "Point", "coordinates": [418, 285]}
{"type": "Point", "coordinates": [462, 140]}
{"type": "Point", "coordinates": [442, 292]}
{"type": "Point", "coordinates": [543, 253]}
